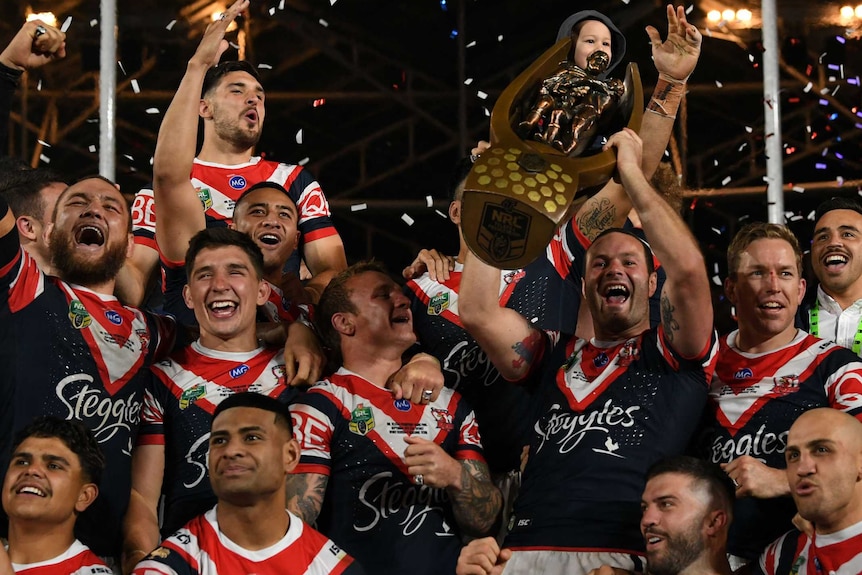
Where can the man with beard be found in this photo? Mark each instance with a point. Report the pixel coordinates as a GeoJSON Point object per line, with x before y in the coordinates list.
{"type": "Point", "coordinates": [824, 469]}
{"type": "Point", "coordinates": [836, 259]}
{"type": "Point", "coordinates": [230, 100]}
{"type": "Point", "coordinates": [687, 508]}
{"type": "Point", "coordinates": [611, 406]}
{"type": "Point", "coordinates": [68, 348]}
{"type": "Point", "coordinates": [768, 373]}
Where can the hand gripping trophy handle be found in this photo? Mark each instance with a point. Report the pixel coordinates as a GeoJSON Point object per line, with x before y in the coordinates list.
{"type": "Point", "coordinates": [520, 191]}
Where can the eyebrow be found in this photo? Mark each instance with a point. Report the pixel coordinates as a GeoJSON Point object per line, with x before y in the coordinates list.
{"type": "Point", "coordinates": [48, 457]}
{"type": "Point", "coordinates": [240, 84]}
{"type": "Point", "coordinates": [265, 204]}
{"type": "Point", "coordinates": [842, 227]}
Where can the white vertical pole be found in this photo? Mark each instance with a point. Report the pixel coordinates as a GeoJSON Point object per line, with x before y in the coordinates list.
{"type": "Point", "coordinates": [772, 113]}
{"type": "Point", "coordinates": [108, 89]}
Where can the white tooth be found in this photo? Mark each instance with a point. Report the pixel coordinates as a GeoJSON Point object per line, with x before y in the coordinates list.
{"type": "Point", "coordinates": [33, 490]}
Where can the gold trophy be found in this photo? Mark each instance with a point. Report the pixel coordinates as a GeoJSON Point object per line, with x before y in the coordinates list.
{"type": "Point", "coordinates": [539, 169]}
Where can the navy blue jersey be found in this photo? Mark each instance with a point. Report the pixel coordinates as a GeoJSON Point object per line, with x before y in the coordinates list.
{"type": "Point", "coordinates": [607, 414]}
{"type": "Point", "coordinates": [179, 403]}
{"type": "Point", "coordinates": [76, 354]}
{"type": "Point", "coordinates": [754, 399]}
{"type": "Point", "coordinates": [353, 431]}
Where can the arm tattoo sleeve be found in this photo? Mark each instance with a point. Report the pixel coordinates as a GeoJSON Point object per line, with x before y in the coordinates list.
{"type": "Point", "coordinates": [527, 350]}
{"type": "Point", "coordinates": [597, 217]}
{"type": "Point", "coordinates": [478, 504]}
{"type": "Point", "coordinates": [305, 492]}
{"type": "Point", "coordinates": [667, 319]}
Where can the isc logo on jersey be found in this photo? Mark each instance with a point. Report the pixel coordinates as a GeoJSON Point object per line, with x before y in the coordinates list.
{"type": "Point", "coordinates": [113, 317]}
{"type": "Point", "coordinates": [238, 371]}
{"type": "Point", "coordinates": [236, 182]}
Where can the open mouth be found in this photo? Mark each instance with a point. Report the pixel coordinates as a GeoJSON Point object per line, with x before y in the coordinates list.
{"type": "Point", "coordinates": [401, 319]}
{"type": "Point", "coordinates": [833, 261]}
{"type": "Point", "coordinates": [222, 308]}
{"type": "Point", "coordinates": [269, 239]}
{"type": "Point", "coordinates": [616, 294]}
{"type": "Point", "coordinates": [771, 306]}
{"type": "Point", "coordinates": [90, 236]}
{"type": "Point", "coordinates": [251, 116]}
{"type": "Point", "coordinates": [31, 490]}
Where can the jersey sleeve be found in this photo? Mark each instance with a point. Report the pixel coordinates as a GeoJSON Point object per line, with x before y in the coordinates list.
{"type": "Point", "coordinates": [844, 385]}
{"type": "Point", "coordinates": [314, 215]}
{"type": "Point", "coordinates": [152, 430]}
{"type": "Point", "coordinates": [163, 335]}
{"type": "Point", "coordinates": [469, 440]}
{"type": "Point", "coordinates": [774, 558]}
{"type": "Point", "coordinates": [313, 418]}
{"type": "Point", "coordinates": [144, 218]}
{"type": "Point", "coordinates": [165, 561]}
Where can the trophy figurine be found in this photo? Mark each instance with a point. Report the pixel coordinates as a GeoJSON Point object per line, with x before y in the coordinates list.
{"type": "Point", "coordinates": [543, 161]}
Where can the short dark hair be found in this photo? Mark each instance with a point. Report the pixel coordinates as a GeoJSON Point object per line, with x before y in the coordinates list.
{"type": "Point", "coordinates": [835, 203]}
{"type": "Point", "coordinates": [75, 436]}
{"type": "Point", "coordinates": [459, 175]}
{"type": "Point", "coordinates": [21, 190]}
{"type": "Point", "coordinates": [263, 186]}
{"type": "Point", "coordinates": [336, 299]}
{"type": "Point", "coordinates": [648, 255]}
{"type": "Point", "coordinates": [760, 231]}
{"type": "Point", "coordinates": [209, 238]}
{"type": "Point", "coordinates": [257, 401]}
{"type": "Point", "coordinates": [718, 483]}
{"type": "Point", "coordinates": [219, 71]}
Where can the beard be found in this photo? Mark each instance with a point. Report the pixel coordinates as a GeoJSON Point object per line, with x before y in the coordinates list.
{"type": "Point", "coordinates": [233, 133]}
{"type": "Point", "coordinates": [73, 268]}
{"type": "Point", "coordinates": [680, 551]}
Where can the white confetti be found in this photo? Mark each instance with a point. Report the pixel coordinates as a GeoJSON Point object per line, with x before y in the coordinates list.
{"type": "Point", "coordinates": [725, 181]}
{"type": "Point", "coordinates": [482, 94]}
{"type": "Point", "coordinates": [323, 23]}
{"type": "Point", "coordinates": [689, 9]}
{"type": "Point", "coordinates": [122, 69]}
{"type": "Point", "coordinates": [715, 163]}
{"type": "Point", "coordinates": [358, 207]}
{"type": "Point", "coordinates": [471, 44]}
{"type": "Point", "coordinates": [171, 24]}
{"type": "Point", "coordinates": [407, 219]}
{"type": "Point", "coordinates": [151, 160]}
{"type": "Point", "coordinates": [715, 268]}
{"type": "Point", "coordinates": [751, 57]}
{"type": "Point", "coordinates": [94, 23]}
{"type": "Point", "coordinates": [128, 157]}
{"type": "Point", "coordinates": [807, 87]}
{"type": "Point", "coordinates": [234, 45]}
{"type": "Point", "coordinates": [798, 189]}
{"type": "Point", "coordinates": [332, 2]}
{"type": "Point", "coordinates": [500, 38]}
{"type": "Point", "coordinates": [468, 81]}
{"type": "Point", "coordinates": [835, 91]}
{"type": "Point", "coordinates": [152, 110]}
{"type": "Point", "coordinates": [429, 201]}
{"type": "Point", "coordinates": [534, 320]}
{"type": "Point", "coordinates": [304, 161]}
{"type": "Point", "coordinates": [811, 215]}
{"type": "Point", "coordinates": [748, 129]}
{"type": "Point", "coordinates": [840, 181]}
{"type": "Point", "coordinates": [716, 280]}
{"type": "Point", "coordinates": [716, 230]}
{"type": "Point", "coordinates": [824, 90]}
{"type": "Point", "coordinates": [135, 87]}
{"type": "Point", "coordinates": [44, 143]}
{"type": "Point", "coordinates": [796, 218]}
{"type": "Point", "coordinates": [820, 59]}
{"type": "Point", "coordinates": [281, 5]}
{"type": "Point", "coordinates": [299, 137]}
{"type": "Point", "coordinates": [92, 148]}
{"type": "Point", "coordinates": [487, 113]}
{"type": "Point", "coordinates": [445, 217]}
{"type": "Point", "coordinates": [272, 11]}
{"type": "Point", "coordinates": [265, 66]}
{"type": "Point", "coordinates": [45, 158]}
{"type": "Point", "coordinates": [39, 85]}
{"type": "Point", "coordinates": [719, 84]}
{"type": "Point", "coordinates": [66, 23]}
{"type": "Point", "coordinates": [742, 146]}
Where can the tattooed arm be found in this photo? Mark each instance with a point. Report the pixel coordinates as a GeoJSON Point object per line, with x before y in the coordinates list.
{"type": "Point", "coordinates": [511, 342]}
{"type": "Point", "coordinates": [476, 502]}
{"type": "Point", "coordinates": [305, 493]}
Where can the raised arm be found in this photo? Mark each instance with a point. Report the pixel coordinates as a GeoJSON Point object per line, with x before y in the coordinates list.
{"type": "Point", "coordinates": [686, 305]}
{"type": "Point", "coordinates": [510, 341]}
{"type": "Point", "coordinates": [141, 522]}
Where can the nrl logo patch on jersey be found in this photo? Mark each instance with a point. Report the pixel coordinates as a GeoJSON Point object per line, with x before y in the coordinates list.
{"type": "Point", "coordinates": [438, 304]}
{"type": "Point", "coordinates": [78, 315]}
{"type": "Point", "coordinates": [190, 396]}
{"type": "Point", "coordinates": [205, 197]}
{"type": "Point", "coordinates": [361, 420]}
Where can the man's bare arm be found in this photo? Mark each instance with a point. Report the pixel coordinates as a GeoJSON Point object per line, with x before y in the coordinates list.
{"type": "Point", "coordinates": [305, 493]}
{"type": "Point", "coordinates": [141, 522]}
{"type": "Point", "coordinates": [477, 503]}
{"type": "Point", "coordinates": [324, 258]}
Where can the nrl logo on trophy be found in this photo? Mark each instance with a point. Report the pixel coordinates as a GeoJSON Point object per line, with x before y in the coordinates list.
{"type": "Point", "coordinates": [545, 156]}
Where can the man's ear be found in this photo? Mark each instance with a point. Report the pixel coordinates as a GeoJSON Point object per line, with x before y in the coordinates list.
{"type": "Point", "coordinates": [86, 496]}
{"type": "Point", "coordinates": [28, 227]}
{"type": "Point", "coordinates": [46, 233]}
{"type": "Point", "coordinates": [130, 247]}
{"type": "Point", "coordinates": [187, 297]}
{"type": "Point", "coordinates": [291, 455]}
{"type": "Point", "coordinates": [204, 109]}
{"type": "Point", "coordinates": [343, 323]}
{"type": "Point", "coordinates": [653, 283]}
{"type": "Point", "coordinates": [263, 290]}
{"type": "Point", "coordinates": [715, 522]}
{"type": "Point", "coordinates": [730, 289]}
{"type": "Point", "coordinates": [455, 212]}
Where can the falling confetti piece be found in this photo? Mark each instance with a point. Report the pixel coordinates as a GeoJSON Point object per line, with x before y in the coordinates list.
{"type": "Point", "coordinates": [471, 44]}
{"type": "Point", "coordinates": [715, 267]}
{"type": "Point", "coordinates": [94, 23]}
{"type": "Point", "coordinates": [689, 9]}
{"type": "Point", "coordinates": [725, 181]}
{"type": "Point", "coordinates": [299, 137]}
{"type": "Point", "coordinates": [281, 5]}
{"type": "Point", "coordinates": [840, 181]}
{"type": "Point", "coordinates": [835, 91]}
{"type": "Point", "coordinates": [719, 84]}
{"type": "Point", "coordinates": [715, 163]}
{"type": "Point", "coordinates": [151, 160]}
{"type": "Point", "coordinates": [272, 11]}
{"type": "Point", "coordinates": [716, 230]}
{"type": "Point", "coordinates": [716, 280]}
{"type": "Point", "coordinates": [811, 215]}
{"type": "Point", "coordinates": [265, 66]}
{"type": "Point", "coordinates": [796, 218]}
{"type": "Point", "coordinates": [748, 129]}
{"type": "Point", "coordinates": [152, 110]}
{"type": "Point", "coordinates": [500, 38]}
{"type": "Point", "coordinates": [534, 320]}
{"type": "Point", "coordinates": [66, 23]}
{"type": "Point", "coordinates": [742, 146]}
{"type": "Point", "coordinates": [332, 2]}
{"type": "Point", "coordinates": [45, 158]}
{"type": "Point", "coordinates": [170, 25]}
{"type": "Point", "coordinates": [234, 45]}
{"type": "Point", "coordinates": [44, 143]}
{"type": "Point", "coordinates": [487, 113]}
{"type": "Point", "coordinates": [444, 216]}
{"type": "Point", "coordinates": [323, 23]}
{"type": "Point", "coordinates": [122, 69]}
{"type": "Point", "coordinates": [407, 219]}
{"type": "Point", "coordinates": [429, 201]}
{"type": "Point", "coordinates": [358, 207]}
{"type": "Point", "coordinates": [39, 85]}
{"type": "Point", "coordinates": [304, 161]}
{"type": "Point", "coordinates": [482, 94]}
{"type": "Point", "coordinates": [468, 81]}
{"type": "Point", "coordinates": [92, 148]}
{"type": "Point", "coordinates": [128, 157]}
{"type": "Point", "coordinates": [135, 87]}
{"type": "Point", "coordinates": [798, 189]}
{"type": "Point", "coordinates": [807, 87]}
{"type": "Point", "coordinates": [820, 166]}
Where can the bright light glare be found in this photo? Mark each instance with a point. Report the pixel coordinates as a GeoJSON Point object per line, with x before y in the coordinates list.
{"type": "Point", "coordinates": [847, 11]}
{"type": "Point", "coordinates": [743, 15]}
{"type": "Point", "coordinates": [859, 11]}
{"type": "Point", "coordinates": [713, 16]}
{"type": "Point", "coordinates": [728, 15]}
{"type": "Point", "coordinates": [46, 17]}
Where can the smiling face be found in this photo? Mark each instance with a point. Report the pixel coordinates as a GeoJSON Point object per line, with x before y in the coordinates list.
{"type": "Point", "coordinates": [836, 253]}
{"type": "Point", "coordinates": [766, 289]}
{"type": "Point", "coordinates": [89, 237]}
{"type": "Point", "coordinates": [617, 286]}
{"type": "Point", "coordinates": [592, 36]}
{"type": "Point", "coordinates": [235, 108]}
{"type": "Point", "coordinates": [45, 483]}
{"type": "Point", "coordinates": [270, 218]}
{"type": "Point", "coordinates": [824, 468]}
{"type": "Point", "coordinates": [250, 455]}
{"type": "Point", "coordinates": [224, 290]}
{"type": "Point", "coordinates": [675, 512]}
{"type": "Point", "coordinates": [382, 320]}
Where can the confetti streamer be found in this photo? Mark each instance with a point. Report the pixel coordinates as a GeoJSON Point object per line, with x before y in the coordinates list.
{"type": "Point", "coordinates": [445, 217]}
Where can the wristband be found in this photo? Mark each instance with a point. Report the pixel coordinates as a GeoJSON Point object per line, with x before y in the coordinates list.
{"type": "Point", "coordinates": [11, 75]}
{"type": "Point", "coordinates": [666, 97]}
